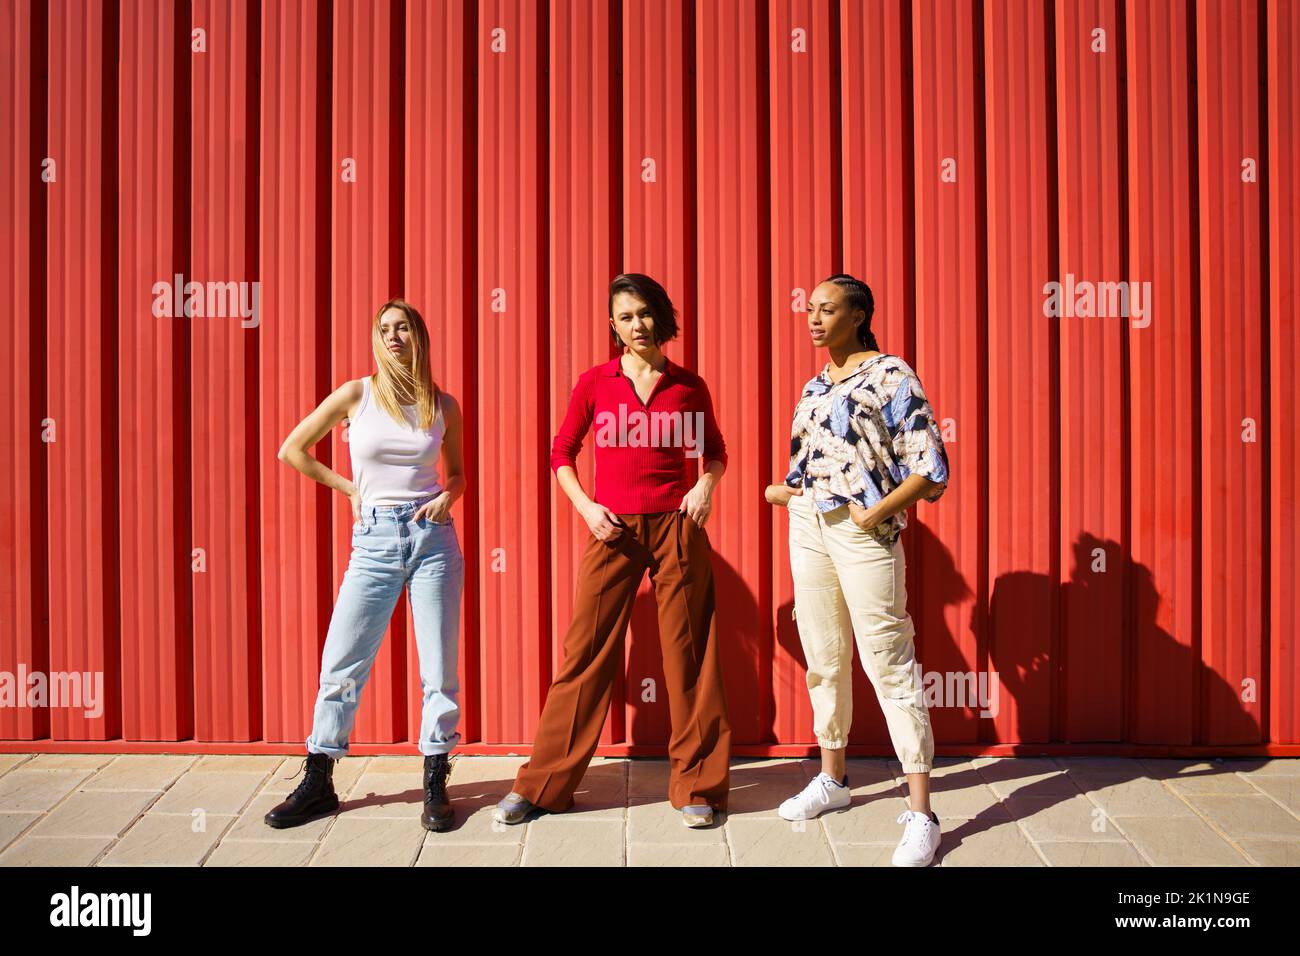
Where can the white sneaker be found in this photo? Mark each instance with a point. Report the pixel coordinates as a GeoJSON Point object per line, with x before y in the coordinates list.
{"type": "Point", "coordinates": [823, 793]}
{"type": "Point", "coordinates": [920, 839]}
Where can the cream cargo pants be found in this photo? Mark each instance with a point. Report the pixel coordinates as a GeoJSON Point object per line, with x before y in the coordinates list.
{"type": "Point", "coordinates": [846, 583]}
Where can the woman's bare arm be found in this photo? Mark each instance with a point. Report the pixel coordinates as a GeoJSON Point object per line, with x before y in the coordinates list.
{"type": "Point", "coordinates": [453, 462]}
{"type": "Point", "coordinates": [296, 449]}
{"type": "Point", "coordinates": [911, 490]}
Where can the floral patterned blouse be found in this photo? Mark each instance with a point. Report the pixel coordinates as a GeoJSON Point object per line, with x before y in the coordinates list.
{"type": "Point", "coordinates": [858, 439]}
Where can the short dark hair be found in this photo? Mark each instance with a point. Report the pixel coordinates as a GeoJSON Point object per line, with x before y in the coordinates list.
{"type": "Point", "coordinates": [652, 294]}
{"type": "Point", "coordinates": [859, 295]}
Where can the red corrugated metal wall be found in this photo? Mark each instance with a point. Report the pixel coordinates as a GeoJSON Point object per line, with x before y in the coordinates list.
{"type": "Point", "coordinates": [1118, 546]}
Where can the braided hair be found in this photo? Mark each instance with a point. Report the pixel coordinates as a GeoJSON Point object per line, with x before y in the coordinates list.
{"type": "Point", "coordinates": [859, 296]}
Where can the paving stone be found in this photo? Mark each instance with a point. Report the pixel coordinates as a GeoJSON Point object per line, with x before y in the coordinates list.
{"type": "Point", "coordinates": [781, 768]}
{"type": "Point", "coordinates": [95, 813]}
{"type": "Point", "coordinates": [468, 854]}
{"type": "Point", "coordinates": [9, 761]}
{"type": "Point", "coordinates": [64, 809]}
{"type": "Point", "coordinates": [1249, 765]}
{"type": "Point", "coordinates": [1091, 854]}
{"type": "Point", "coordinates": [864, 854]}
{"type": "Point", "coordinates": [1276, 767]}
{"type": "Point", "coordinates": [962, 792]}
{"type": "Point", "coordinates": [570, 842]}
{"type": "Point", "coordinates": [1179, 841]}
{"type": "Point", "coordinates": [868, 768]}
{"type": "Point", "coordinates": [490, 774]}
{"type": "Point", "coordinates": [602, 792]}
{"type": "Point", "coordinates": [225, 793]}
{"type": "Point", "coordinates": [661, 823]}
{"type": "Point", "coordinates": [250, 824]}
{"type": "Point", "coordinates": [1161, 768]}
{"type": "Point", "coordinates": [12, 824]}
{"type": "Point", "coordinates": [859, 769]}
{"type": "Point", "coordinates": [757, 841]}
{"type": "Point", "coordinates": [1247, 817]}
{"type": "Point", "coordinates": [259, 853]}
{"type": "Point", "coordinates": [37, 790]}
{"type": "Point", "coordinates": [166, 839]}
{"type": "Point", "coordinates": [669, 854]}
{"type": "Point", "coordinates": [141, 772]}
{"type": "Point", "coordinates": [648, 778]}
{"type": "Point", "coordinates": [873, 820]}
{"type": "Point", "coordinates": [956, 771]}
{"type": "Point", "coordinates": [759, 787]}
{"type": "Point", "coordinates": [238, 763]}
{"type": "Point", "coordinates": [1031, 776]}
{"type": "Point", "coordinates": [70, 761]}
{"type": "Point", "coordinates": [1002, 844]}
{"type": "Point", "coordinates": [1211, 782]}
{"type": "Point", "coordinates": [1122, 795]}
{"type": "Point", "coordinates": [1058, 818]}
{"type": "Point", "coordinates": [1268, 852]}
{"type": "Point", "coordinates": [1284, 789]}
{"type": "Point", "coordinates": [1126, 765]}
{"type": "Point", "coordinates": [371, 841]}
{"type": "Point", "coordinates": [409, 766]}
{"type": "Point", "coordinates": [1198, 776]}
{"type": "Point", "coordinates": [54, 851]}
{"type": "Point", "coordinates": [398, 796]}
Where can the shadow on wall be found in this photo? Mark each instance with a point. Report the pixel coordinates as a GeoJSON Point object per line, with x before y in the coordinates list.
{"type": "Point", "coordinates": [1020, 658]}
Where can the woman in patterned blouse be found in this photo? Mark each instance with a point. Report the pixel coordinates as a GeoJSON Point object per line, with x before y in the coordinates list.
{"type": "Point", "coordinates": [864, 446]}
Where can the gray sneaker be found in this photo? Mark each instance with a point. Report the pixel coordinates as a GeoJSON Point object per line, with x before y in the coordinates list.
{"type": "Point", "coordinates": [697, 815]}
{"type": "Point", "coordinates": [512, 809]}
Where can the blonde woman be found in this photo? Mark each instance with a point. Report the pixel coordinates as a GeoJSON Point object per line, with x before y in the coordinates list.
{"type": "Point", "coordinates": [404, 537]}
{"type": "Point", "coordinates": [864, 446]}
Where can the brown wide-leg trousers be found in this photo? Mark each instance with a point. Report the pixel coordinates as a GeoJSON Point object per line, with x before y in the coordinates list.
{"type": "Point", "coordinates": [677, 553]}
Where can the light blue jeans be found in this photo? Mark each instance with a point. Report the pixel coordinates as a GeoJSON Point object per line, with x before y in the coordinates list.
{"type": "Point", "coordinates": [392, 550]}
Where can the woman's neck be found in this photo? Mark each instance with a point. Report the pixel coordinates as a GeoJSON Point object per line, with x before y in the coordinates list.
{"type": "Point", "coordinates": [651, 359]}
{"type": "Point", "coordinates": [848, 355]}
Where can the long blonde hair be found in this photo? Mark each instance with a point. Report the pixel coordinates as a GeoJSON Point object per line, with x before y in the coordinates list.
{"type": "Point", "coordinates": [394, 380]}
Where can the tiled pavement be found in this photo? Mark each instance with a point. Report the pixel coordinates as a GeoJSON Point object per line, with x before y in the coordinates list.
{"type": "Point", "coordinates": [111, 810]}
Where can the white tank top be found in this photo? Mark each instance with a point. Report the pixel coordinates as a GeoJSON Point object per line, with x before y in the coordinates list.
{"type": "Point", "coordinates": [392, 465]}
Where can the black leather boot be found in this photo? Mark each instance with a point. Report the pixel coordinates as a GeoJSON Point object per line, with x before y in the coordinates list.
{"type": "Point", "coordinates": [437, 815]}
{"type": "Point", "coordinates": [313, 797]}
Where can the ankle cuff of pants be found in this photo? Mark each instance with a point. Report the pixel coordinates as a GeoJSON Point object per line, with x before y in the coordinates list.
{"type": "Point", "coordinates": [430, 748]}
{"type": "Point", "coordinates": [915, 767]}
{"type": "Point", "coordinates": [831, 743]}
{"type": "Point", "coordinates": [533, 796]}
{"type": "Point", "coordinates": [335, 752]}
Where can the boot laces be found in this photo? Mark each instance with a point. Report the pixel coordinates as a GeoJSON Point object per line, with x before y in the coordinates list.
{"type": "Point", "coordinates": [310, 781]}
{"type": "Point", "coordinates": [435, 781]}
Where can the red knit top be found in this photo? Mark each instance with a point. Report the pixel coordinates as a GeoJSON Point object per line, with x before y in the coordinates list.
{"type": "Point", "coordinates": [645, 453]}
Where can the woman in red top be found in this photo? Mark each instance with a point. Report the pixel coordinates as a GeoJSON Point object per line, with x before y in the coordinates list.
{"type": "Point", "coordinates": [652, 419]}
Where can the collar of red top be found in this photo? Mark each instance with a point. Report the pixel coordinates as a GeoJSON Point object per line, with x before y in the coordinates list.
{"type": "Point", "coordinates": [614, 367]}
